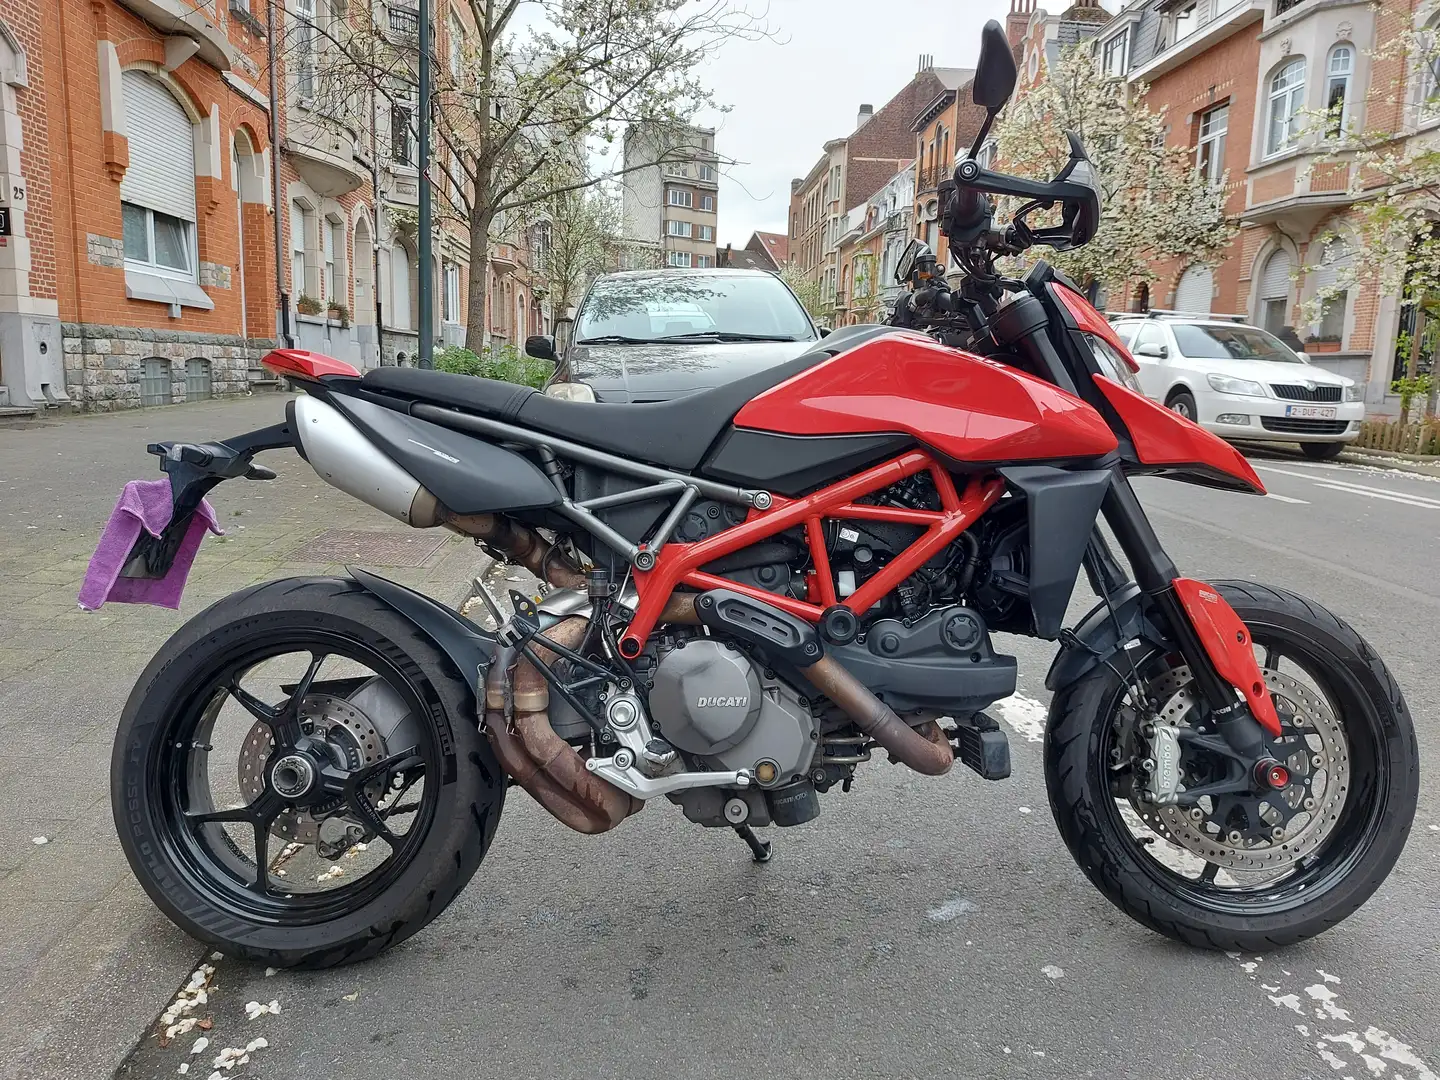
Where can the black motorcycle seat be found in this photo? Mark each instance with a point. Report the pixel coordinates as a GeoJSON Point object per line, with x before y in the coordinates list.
{"type": "Point", "coordinates": [675, 434]}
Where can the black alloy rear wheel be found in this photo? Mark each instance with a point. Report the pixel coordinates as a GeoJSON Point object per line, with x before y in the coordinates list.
{"type": "Point", "coordinates": [1242, 872]}
{"type": "Point", "coordinates": [298, 778]}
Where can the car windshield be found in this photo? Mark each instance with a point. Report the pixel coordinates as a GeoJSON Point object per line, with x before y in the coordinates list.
{"type": "Point", "coordinates": [705, 307]}
{"type": "Point", "coordinates": [1231, 343]}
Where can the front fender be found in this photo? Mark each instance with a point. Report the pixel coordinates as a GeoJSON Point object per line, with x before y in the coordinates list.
{"type": "Point", "coordinates": [469, 647]}
{"type": "Point", "coordinates": [1096, 638]}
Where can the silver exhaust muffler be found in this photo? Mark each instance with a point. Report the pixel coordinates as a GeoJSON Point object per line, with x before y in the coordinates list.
{"type": "Point", "coordinates": [345, 459]}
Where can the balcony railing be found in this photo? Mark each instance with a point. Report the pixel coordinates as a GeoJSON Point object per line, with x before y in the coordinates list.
{"type": "Point", "coordinates": [1282, 6]}
{"type": "Point", "coordinates": [405, 22]}
{"type": "Point", "coordinates": [930, 177]}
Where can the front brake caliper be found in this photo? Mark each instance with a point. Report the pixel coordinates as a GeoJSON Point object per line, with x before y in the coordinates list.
{"type": "Point", "coordinates": [1162, 767]}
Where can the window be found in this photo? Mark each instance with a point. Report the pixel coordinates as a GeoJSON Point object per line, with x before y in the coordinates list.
{"type": "Point", "coordinates": [707, 203]}
{"type": "Point", "coordinates": [451, 314]}
{"type": "Point", "coordinates": [706, 261]}
{"type": "Point", "coordinates": [677, 168]}
{"type": "Point", "coordinates": [1210, 154]}
{"type": "Point", "coordinates": [678, 258]}
{"type": "Point", "coordinates": [680, 197]}
{"type": "Point", "coordinates": [305, 47]}
{"type": "Point", "coordinates": [1275, 292]}
{"type": "Point", "coordinates": [986, 157]}
{"type": "Point", "coordinates": [1208, 342]}
{"type": "Point", "coordinates": [1150, 334]}
{"type": "Point", "coordinates": [155, 382]}
{"type": "Point", "coordinates": [456, 30]}
{"type": "Point", "coordinates": [1287, 99]}
{"type": "Point", "coordinates": [1195, 290]}
{"type": "Point", "coordinates": [298, 223]}
{"type": "Point", "coordinates": [707, 234]}
{"type": "Point", "coordinates": [1332, 317]}
{"type": "Point", "coordinates": [693, 304]}
{"type": "Point", "coordinates": [677, 228]}
{"type": "Point", "coordinates": [1428, 55]}
{"type": "Point", "coordinates": [399, 288]}
{"type": "Point", "coordinates": [1184, 22]}
{"type": "Point", "coordinates": [707, 173]}
{"type": "Point", "coordinates": [197, 379]}
{"type": "Point", "coordinates": [402, 137]}
{"type": "Point", "coordinates": [157, 195]}
{"type": "Point", "coordinates": [330, 239]}
{"type": "Point", "coordinates": [1117, 54]}
{"type": "Point", "coordinates": [1337, 89]}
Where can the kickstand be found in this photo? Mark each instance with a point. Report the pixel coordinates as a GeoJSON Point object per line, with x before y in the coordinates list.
{"type": "Point", "coordinates": [759, 849]}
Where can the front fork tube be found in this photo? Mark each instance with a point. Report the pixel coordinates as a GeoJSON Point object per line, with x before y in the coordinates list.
{"type": "Point", "coordinates": [1155, 573]}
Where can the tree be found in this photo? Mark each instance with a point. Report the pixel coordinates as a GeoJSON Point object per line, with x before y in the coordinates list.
{"type": "Point", "coordinates": [1391, 242]}
{"type": "Point", "coordinates": [530, 89]}
{"type": "Point", "coordinates": [808, 292]}
{"type": "Point", "coordinates": [583, 226]}
{"type": "Point", "coordinates": [1158, 206]}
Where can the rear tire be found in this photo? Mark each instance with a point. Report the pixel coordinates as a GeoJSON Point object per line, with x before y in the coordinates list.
{"type": "Point", "coordinates": [467, 811]}
{"type": "Point", "coordinates": [1182, 402]}
{"type": "Point", "coordinates": [1375, 820]}
{"type": "Point", "coordinates": [1322, 451]}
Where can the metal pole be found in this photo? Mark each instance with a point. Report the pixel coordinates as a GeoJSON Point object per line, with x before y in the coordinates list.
{"type": "Point", "coordinates": [375, 233]}
{"type": "Point", "coordinates": [284, 294]}
{"type": "Point", "coordinates": [427, 299]}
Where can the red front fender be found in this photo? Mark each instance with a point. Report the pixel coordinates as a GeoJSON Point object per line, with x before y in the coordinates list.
{"type": "Point", "coordinates": [1164, 441]}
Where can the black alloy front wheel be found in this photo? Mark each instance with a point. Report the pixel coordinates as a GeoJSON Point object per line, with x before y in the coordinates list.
{"type": "Point", "coordinates": [1245, 870]}
{"type": "Point", "coordinates": [298, 778]}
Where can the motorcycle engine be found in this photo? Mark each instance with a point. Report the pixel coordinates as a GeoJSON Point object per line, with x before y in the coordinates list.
{"type": "Point", "coordinates": [709, 701]}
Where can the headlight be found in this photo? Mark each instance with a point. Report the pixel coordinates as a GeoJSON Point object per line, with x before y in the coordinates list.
{"type": "Point", "coordinates": [1226, 385]}
{"type": "Point", "coordinates": [1354, 393]}
{"type": "Point", "coordinates": [570, 391]}
{"type": "Point", "coordinates": [1112, 363]}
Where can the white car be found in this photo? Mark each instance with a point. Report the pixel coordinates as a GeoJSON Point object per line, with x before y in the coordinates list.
{"type": "Point", "coordinates": [1242, 383]}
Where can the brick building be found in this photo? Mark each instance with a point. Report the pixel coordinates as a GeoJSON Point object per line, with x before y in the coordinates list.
{"type": "Point", "coordinates": [851, 169]}
{"type": "Point", "coordinates": [1243, 83]}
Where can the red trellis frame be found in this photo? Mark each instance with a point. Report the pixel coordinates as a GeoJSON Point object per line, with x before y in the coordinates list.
{"type": "Point", "coordinates": [679, 564]}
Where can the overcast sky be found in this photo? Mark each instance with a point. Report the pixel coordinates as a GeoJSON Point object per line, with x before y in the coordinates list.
{"type": "Point", "coordinates": [791, 94]}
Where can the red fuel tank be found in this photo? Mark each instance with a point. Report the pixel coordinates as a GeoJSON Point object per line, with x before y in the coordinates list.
{"type": "Point", "coordinates": [956, 403]}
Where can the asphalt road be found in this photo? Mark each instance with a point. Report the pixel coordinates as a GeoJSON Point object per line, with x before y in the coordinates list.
{"type": "Point", "coordinates": [920, 927]}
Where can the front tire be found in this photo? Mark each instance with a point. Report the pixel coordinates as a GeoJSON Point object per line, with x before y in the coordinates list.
{"type": "Point", "coordinates": [1322, 451]}
{"type": "Point", "coordinates": [1182, 403]}
{"type": "Point", "coordinates": [194, 857]}
{"type": "Point", "coordinates": [1318, 890]}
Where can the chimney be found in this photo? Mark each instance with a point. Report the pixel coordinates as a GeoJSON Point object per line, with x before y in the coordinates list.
{"type": "Point", "coordinates": [927, 61]}
{"type": "Point", "coordinates": [866, 112]}
{"type": "Point", "coordinates": [1018, 21]}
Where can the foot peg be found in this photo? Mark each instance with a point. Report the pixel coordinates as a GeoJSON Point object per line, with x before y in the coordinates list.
{"type": "Point", "coordinates": [759, 849]}
{"type": "Point", "coordinates": [982, 746]}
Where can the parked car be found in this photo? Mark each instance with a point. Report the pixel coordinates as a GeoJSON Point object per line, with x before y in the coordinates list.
{"type": "Point", "coordinates": [649, 335]}
{"type": "Point", "coordinates": [1241, 382]}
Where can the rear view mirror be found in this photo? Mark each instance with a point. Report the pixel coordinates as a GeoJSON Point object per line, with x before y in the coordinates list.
{"type": "Point", "coordinates": [1152, 350]}
{"type": "Point", "coordinates": [908, 258]}
{"type": "Point", "coordinates": [540, 346]}
{"type": "Point", "coordinates": [995, 71]}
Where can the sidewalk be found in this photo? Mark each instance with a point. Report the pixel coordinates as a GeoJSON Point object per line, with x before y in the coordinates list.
{"type": "Point", "coordinates": [86, 962]}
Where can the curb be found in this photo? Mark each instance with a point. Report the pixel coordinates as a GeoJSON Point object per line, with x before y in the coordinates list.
{"type": "Point", "coordinates": [1409, 463]}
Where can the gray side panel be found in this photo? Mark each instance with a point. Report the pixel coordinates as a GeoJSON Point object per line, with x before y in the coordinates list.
{"type": "Point", "coordinates": [466, 473]}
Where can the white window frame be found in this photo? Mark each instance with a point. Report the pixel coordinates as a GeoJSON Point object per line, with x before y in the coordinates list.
{"type": "Point", "coordinates": [677, 258]}
{"type": "Point", "coordinates": [1344, 79]}
{"type": "Point", "coordinates": [331, 284]}
{"type": "Point", "coordinates": [1427, 107]}
{"type": "Point", "coordinates": [704, 262]}
{"type": "Point", "coordinates": [451, 274]}
{"type": "Point", "coordinates": [706, 172]}
{"type": "Point", "coordinates": [707, 234]}
{"type": "Point", "coordinates": [1213, 141]}
{"type": "Point", "coordinates": [1115, 54]}
{"type": "Point", "coordinates": [148, 264]}
{"type": "Point", "coordinates": [1290, 96]}
{"type": "Point", "coordinates": [299, 260]}
{"type": "Point", "coordinates": [679, 197]}
{"type": "Point", "coordinates": [457, 33]}
{"type": "Point", "coordinates": [678, 228]}
{"type": "Point", "coordinates": [305, 48]}
{"type": "Point", "coordinates": [1188, 17]}
{"type": "Point", "coordinates": [707, 204]}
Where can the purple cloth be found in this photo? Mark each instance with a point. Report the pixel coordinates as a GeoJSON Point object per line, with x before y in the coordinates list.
{"type": "Point", "coordinates": [144, 504]}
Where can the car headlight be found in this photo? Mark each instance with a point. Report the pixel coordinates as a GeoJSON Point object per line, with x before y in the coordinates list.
{"type": "Point", "coordinates": [570, 391]}
{"type": "Point", "coordinates": [1354, 393]}
{"type": "Point", "coordinates": [1226, 385]}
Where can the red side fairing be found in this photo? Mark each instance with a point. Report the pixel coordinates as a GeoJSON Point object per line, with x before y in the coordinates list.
{"type": "Point", "coordinates": [961, 405]}
{"type": "Point", "coordinates": [1227, 641]}
{"type": "Point", "coordinates": [1164, 440]}
{"type": "Point", "coordinates": [304, 364]}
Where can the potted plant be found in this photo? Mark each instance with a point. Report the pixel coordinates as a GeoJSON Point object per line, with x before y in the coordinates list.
{"type": "Point", "coordinates": [308, 305]}
{"type": "Point", "coordinates": [339, 312]}
{"type": "Point", "coordinates": [1322, 343]}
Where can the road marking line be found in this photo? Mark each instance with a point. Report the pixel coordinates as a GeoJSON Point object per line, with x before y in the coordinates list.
{"type": "Point", "coordinates": [1380, 495]}
{"type": "Point", "coordinates": [1286, 498]}
{"type": "Point", "coordinates": [1025, 715]}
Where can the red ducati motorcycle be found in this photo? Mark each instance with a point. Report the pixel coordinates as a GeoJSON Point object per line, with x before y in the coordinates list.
{"type": "Point", "coordinates": [754, 588]}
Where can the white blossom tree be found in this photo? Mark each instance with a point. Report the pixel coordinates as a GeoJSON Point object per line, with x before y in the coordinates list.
{"type": "Point", "coordinates": [1157, 204]}
{"type": "Point", "coordinates": [583, 226]}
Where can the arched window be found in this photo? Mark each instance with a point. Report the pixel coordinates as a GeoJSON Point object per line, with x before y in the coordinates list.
{"type": "Point", "coordinates": [299, 226]}
{"type": "Point", "coordinates": [157, 195]}
{"type": "Point", "coordinates": [1427, 90]}
{"type": "Point", "coordinates": [1195, 290]}
{"type": "Point", "coordinates": [1338, 70]}
{"type": "Point", "coordinates": [1275, 292]}
{"type": "Point", "coordinates": [1287, 101]}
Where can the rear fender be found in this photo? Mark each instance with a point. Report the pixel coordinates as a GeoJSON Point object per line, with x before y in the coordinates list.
{"type": "Point", "coordinates": [1098, 639]}
{"type": "Point", "coordinates": [469, 647]}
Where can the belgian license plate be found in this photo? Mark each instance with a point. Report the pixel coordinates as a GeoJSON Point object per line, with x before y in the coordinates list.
{"type": "Point", "coordinates": [1310, 412]}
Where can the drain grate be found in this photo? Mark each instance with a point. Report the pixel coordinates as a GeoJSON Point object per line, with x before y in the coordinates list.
{"type": "Point", "coordinates": [378, 548]}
